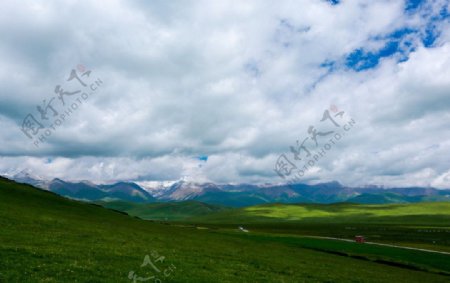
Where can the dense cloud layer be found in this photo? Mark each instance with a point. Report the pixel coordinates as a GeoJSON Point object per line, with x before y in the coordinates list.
{"type": "Point", "coordinates": [236, 81]}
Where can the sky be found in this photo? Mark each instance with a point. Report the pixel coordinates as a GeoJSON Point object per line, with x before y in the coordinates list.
{"type": "Point", "coordinates": [221, 91]}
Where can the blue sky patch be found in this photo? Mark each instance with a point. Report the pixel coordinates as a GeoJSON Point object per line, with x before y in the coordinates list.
{"type": "Point", "coordinates": [411, 5]}
{"type": "Point", "coordinates": [203, 158]}
{"type": "Point", "coordinates": [333, 2]}
{"type": "Point", "coordinates": [360, 60]}
{"type": "Point", "coordinates": [403, 41]}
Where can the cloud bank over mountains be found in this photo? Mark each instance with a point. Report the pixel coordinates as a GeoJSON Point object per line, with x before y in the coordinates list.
{"type": "Point", "coordinates": [211, 91]}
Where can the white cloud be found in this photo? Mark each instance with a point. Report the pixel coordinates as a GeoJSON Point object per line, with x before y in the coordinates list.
{"type": "Point", "coordinates": [239, 82]}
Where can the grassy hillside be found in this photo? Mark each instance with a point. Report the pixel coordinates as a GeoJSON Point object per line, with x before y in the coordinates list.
{"type": "Point", "coordinates": [45, 238]}
{"type": "Point", "coordinates": [164, 211]}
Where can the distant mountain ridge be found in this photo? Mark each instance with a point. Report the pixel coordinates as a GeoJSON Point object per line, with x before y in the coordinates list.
{"type": "Point", "coordinates": [233, 195]}
{"type": "Point", "coordinates": [84, 191]}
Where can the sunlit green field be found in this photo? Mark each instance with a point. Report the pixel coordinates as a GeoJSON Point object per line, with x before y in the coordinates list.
{"type": "Point", "coordinates": [437, 212]}
{"type": "Point", "coordinates": [45, 238]}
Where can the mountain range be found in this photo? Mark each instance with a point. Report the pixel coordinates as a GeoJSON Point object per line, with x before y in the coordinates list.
{"type": "Point", "coordinates": [239, 195]}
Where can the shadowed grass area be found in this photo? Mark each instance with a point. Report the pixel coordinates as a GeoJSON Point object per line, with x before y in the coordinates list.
{"type": "Point", "coordinates": [168, 211]}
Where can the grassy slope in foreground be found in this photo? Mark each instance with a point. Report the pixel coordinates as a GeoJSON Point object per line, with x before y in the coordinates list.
{"type": "Point", "coordinates": [45, 238]}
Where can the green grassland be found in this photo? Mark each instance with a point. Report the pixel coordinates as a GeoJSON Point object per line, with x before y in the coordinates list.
{"type": "Point", "coordinates": [408, 258]}
{"type": "Point", "coordinates": [167, 211]}
{"type": "Point", "coordinates": [422, 225]}
{"type": "Point", "coordinates": [46, 238]}
{"type": "Point", "coordinates": [433, 213]}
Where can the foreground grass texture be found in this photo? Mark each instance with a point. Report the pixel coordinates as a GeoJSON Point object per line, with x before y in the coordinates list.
{"type": "Point", "coordinates": [45, 238]}
{"type": "Point", "coordinates": [408, 258]}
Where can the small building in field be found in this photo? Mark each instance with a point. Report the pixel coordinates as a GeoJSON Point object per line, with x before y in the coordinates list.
{"type": "Point", "coordinates": [360, 239]}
